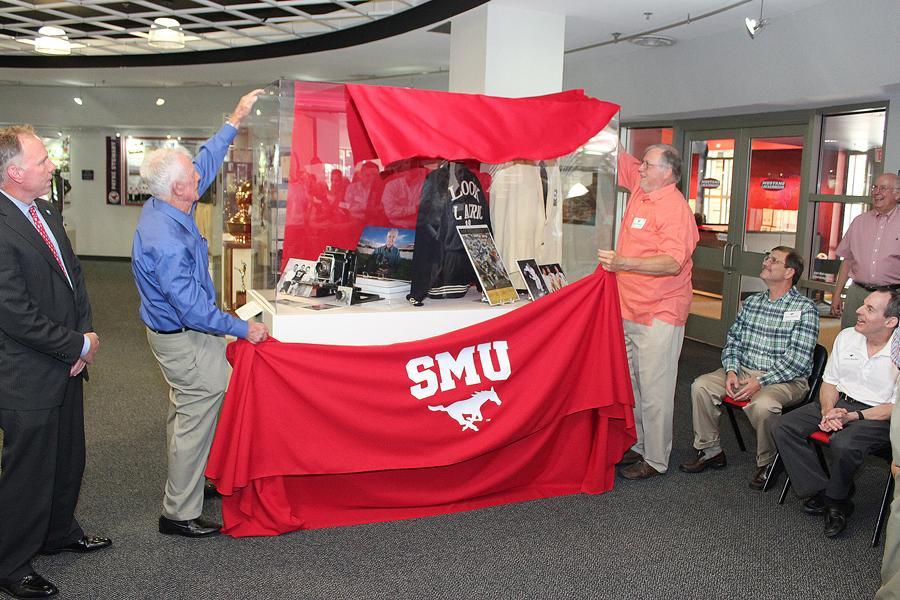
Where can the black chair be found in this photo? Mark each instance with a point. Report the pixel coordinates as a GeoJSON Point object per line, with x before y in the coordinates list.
{"type": "Point", "coordinates": [822, 438]}
{"type": "Point", "coordinates": [820, 357]}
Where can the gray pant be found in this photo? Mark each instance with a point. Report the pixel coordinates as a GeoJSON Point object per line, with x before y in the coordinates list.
{"type": "Point", "coordinates": [890, 564]}
{"type": "Point", "coordinates": [707, 392]}
{"type": "Point", "coordinates": [195, 368]}
{"type": "Point", "coordinates": [653, 353]}
{"type": "Point", "coordinates": [849, 448]}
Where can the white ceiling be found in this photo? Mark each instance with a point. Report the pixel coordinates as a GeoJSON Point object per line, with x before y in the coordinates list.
{"type": "Point", "coordinates": [588, 22]}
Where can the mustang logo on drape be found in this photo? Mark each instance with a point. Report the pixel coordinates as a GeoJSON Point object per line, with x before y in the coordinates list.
{"type": "Point", "coordinates": [536, 402]}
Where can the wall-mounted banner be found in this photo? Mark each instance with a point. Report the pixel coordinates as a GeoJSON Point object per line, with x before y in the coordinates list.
{"type": "Point", "coordinates": [113, 170]}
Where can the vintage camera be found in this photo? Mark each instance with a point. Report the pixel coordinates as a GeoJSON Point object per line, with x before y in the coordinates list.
{"type": "Point", "coordinates": [336, 268]}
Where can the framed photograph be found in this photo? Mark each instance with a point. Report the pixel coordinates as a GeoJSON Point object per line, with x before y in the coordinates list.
{"type": "Point", "coordinates": [534, 282]}
{"type": "Point", "coordinates": [298, 278]}
{"type": "Point", "coordinates": [492, 274]}
{"type": "Point", "coordinates": [553, 276]}
{"type": "Point", "coordinates": [385, 253]}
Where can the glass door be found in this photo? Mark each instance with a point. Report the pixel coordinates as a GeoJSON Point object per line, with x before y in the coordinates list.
{"type": "Point", "coordinates": [744, 189]}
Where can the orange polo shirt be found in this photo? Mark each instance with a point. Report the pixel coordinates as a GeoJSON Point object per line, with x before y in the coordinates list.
{"type": "Point", "coordinates": [657, 223]}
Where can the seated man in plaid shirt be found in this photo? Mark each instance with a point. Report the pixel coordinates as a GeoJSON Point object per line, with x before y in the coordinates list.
{"type": "Point", "coordinates": [766, 360]}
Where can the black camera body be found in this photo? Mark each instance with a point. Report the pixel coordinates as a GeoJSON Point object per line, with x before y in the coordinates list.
{"type": "Point", "coordinates": [336, 268]}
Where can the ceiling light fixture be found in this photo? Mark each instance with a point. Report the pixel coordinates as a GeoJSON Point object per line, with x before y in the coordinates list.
{"type": "Point", "coordinates": [653, 41]}
{"type": "Point", "coordinates": [755, 25]}
{"type": "Point", "coordinates": [166, 34]}
{"type": "Point", "coordinates": [53, 41]}
{"type": "Point", "coordinates": [160, 101]}
{"type": "Point", "coordinates": [77, 100]}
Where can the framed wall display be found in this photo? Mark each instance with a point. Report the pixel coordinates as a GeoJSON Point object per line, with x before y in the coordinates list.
{"type": "Point", "coordinates": [534, 282]}
{"type": "Point", "coordinates": [136, 191]}
{"type": "Point", "coordinates": [554, 277]}
{"type": "Point", "coordinates": [492, 274]}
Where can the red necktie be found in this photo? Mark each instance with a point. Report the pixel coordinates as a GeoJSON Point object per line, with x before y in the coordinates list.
{"type": "Point", "coordinates": [40, 228]}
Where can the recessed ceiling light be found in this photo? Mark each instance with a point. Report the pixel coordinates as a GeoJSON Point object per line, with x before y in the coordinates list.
{"type": "Point", "coordinates": [77, 100]}
{"type": "Point", "coordinates": [166, 34]}
{"type": "Point", "coordinates": [160, 101]}
{"type": "Point", "coordinates": [52, 41]}
{"type": "Point", "coordinates": [653, 41]}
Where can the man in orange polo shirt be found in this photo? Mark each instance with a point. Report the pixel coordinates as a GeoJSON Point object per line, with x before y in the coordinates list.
{"type": "Point", "coordinates": [653, 266]}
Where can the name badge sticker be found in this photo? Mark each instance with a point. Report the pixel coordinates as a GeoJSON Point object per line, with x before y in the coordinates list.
{"type": "Point", "coordinates": [791, 315]}
{"type": "Point", "coordinates": [639, 223]}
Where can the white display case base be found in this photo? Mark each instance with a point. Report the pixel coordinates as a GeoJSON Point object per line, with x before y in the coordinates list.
{"type": "Point", "coordinates": [373, 323]}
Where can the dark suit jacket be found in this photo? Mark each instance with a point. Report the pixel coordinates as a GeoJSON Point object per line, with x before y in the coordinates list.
{"type": "Point", "coordinates": [42, 318]}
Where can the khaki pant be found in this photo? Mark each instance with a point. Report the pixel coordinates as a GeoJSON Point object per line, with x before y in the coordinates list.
{"type": "Point", "coordinates": [653, 353]}
{"type": "Point", "coordinates": [707, 392]}
{"type": "Point", "coordinates": [195, 368]}
{"type": "Point", "coordinates": [890, 564]}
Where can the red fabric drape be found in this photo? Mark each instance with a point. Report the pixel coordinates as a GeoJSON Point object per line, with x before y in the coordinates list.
{"type": "Point", "coordinates": [396, 123]}
{"type": "Point", "coordinates": [317, 436]}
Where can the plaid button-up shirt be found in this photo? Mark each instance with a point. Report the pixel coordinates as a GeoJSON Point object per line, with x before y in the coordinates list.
{"type": "Point", "coordinates": [777, 337]}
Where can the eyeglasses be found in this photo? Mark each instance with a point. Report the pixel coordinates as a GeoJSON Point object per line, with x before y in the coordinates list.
{"type": "Point", "coordinates": [771, 259]}
{"type": "Point", "coordinates": [647, 165]}
{"type": "Point", "coordinates": [884, 188]}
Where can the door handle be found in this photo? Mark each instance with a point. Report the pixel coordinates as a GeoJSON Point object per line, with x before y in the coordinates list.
{"type": "Point", "coordinates": [725, 255]}
{"type": "Point", "coordinates": [731, 257]}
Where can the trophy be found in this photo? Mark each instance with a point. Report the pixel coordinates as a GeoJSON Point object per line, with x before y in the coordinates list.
{"type": "Point", "coordinates": [239, 223]}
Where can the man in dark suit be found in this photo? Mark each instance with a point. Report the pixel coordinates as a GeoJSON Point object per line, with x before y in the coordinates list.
{"type": "Point", "coordinates": [46, 339]}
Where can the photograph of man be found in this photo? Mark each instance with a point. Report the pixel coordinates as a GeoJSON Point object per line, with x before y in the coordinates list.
{"type": "Point", "coordinates": [653, 266]}
{"type": "Point", "coordinates": [870, 251]}
{"type": "Point", "coordinates": [767, 358]}
{"type": "Point", "coordinates": [855, 404]}
{"type": "Point", "coordinates": [47, 339]}
{"type": "Point", "coordinates": [185, 328]}
{"type": "Point", "coordinates": [537, 288]}
{"type": "Point", "coordinates": [385, 260]}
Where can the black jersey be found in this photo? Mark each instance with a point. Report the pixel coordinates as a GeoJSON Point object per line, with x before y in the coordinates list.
{"type": "Point", "coordinates": [451, 196]}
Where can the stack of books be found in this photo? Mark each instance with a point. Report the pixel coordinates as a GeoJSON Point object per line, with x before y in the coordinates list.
{"type": "Point", "coordinates": [389, 289]}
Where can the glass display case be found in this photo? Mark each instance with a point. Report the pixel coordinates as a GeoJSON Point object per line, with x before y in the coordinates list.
{"type": "Point", "coordinates": [310, 192]}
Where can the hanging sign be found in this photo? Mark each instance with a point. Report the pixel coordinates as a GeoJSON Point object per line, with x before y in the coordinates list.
{"type": "Point", "coordinates": [113, 170]}
{"type": "Point", "coordinates": [772, 184]}
{"type": "Point", "coordinates": [709, 183]}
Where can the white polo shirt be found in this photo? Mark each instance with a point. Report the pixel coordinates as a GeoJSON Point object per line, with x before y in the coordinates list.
{"type": "Point", "coordinates": [870, 380]}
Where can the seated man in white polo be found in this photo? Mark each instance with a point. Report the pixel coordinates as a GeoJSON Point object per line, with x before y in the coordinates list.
{"type": "Point", "coordinates": [766, 359]}
{"type": "Point", "coordinates": [855, 403]}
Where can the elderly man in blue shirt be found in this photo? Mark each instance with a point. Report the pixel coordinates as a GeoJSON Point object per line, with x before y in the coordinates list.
{"type": "Point", "coordinates": [185, 328]}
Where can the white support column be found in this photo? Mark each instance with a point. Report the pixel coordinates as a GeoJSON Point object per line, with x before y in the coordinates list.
{"type": "Point", "coordinates": [505, 51]}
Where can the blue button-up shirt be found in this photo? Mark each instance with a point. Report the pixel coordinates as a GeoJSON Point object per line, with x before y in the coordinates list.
{"type": "Point", "coordinates": [170, 260]}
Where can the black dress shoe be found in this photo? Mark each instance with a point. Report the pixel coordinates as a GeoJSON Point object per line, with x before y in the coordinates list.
{"type": "Point", "coordinates": [701, 463]}
{"type": "Point", "coordinates": [629, 458]}
{"type": "Point", "coordinates": [193, 528]}
{"type": "Point", "coordinates": [30, 586]}
{"type": "Point", "coordinates": [759, 478]}
{"type": "Point", "coordinates": [814, 505]}
{"type": "Point", "coordinates": [210, 491]}
{"type": "Point", "coordinates": [88, 543]}
{"type": "Point", "coordinates": [836, 516]}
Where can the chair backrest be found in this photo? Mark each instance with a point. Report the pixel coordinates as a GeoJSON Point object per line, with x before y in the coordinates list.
{"type": "Point", "coordinates": [820, 357]}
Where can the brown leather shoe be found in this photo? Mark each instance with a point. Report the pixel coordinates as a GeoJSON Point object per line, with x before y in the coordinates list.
{"type": "Point", "coordinates": [629, 458]}
{"type": "Point", "coordinates": [701, 463]}
{"type": "Point", "coordinates": [639, 470]}
{"type": "Point", "coordinates": [759, 478]}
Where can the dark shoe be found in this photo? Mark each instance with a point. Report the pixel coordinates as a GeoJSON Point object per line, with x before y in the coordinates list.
{"type": "Point", "coordinates": [210, 491]}
{"type": "Point", "coordinates": [30, 586]}
{"type": "Point", "coordinates": [836, 516]}
{"type": "Point", "coordinates": [701, 463]}
{"type": "Point", "coordinates": [629, 458]}
{"type": "Point", "coordinates": [88, 543]}
{"type": "Point", "coordinates": [193, 528]}
{"type": "Point", "coordinates": [814, 505]}
{"type": "Point", "coordinates": [639, 470]}
{"type": "Point", "coordinates": [759, 478]}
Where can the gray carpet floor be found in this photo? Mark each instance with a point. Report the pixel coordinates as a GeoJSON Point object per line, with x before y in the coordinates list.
{"type": "Point", "coordinates": [677, 536]}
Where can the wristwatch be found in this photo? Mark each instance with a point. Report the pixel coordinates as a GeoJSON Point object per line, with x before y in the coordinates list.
{"type": "Point", "coordinates": [859, 414]}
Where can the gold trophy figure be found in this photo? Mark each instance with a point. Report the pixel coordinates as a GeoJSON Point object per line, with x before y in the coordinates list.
{"type": "Point", "coordinates": [239, 223]}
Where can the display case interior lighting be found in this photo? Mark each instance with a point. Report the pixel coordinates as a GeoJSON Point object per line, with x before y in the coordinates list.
{"type": "Point", "coordinates": [77, 100]}
{"type": "Point", "coordinates": [166, 34]}
{"type": "Point", "coordinates": [754, 26]}
{"type": "Point", "coordinates": [52, 41]}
